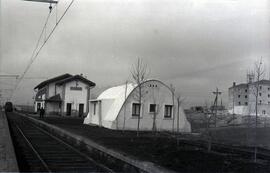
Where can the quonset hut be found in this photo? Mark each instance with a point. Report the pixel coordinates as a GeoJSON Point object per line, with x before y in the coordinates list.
{"type": "Point", "coordinates": [118, 108]}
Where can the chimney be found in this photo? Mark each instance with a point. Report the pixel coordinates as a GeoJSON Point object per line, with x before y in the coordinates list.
{"type": "Point", "coordinates": [234, 84]}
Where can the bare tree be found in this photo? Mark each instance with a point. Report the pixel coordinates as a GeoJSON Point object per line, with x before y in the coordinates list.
{"type": "Point", "coordinates": [157, 100]}
{"type": "Point", "coordinates": [180, 99]}
{"type": "Point", "coordinates": [139, 75]}
{"type": "Point", "coordinates": [172, 88]}
{"type": "Point", "coordinates": [125, 107]}
{"type": "Point", "coordinates": [154, 126]}
{"type": "Point", "coordinates": [259, 72]}
{"type": "Point", "coordinates": [207, 120]}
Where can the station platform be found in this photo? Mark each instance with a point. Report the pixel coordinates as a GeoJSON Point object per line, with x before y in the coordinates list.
{"type": "Point", "coordinates": [8, 162]}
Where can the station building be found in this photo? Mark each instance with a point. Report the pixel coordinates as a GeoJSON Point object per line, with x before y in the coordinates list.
{"type": "Point", "coordinates": [242, 98]}
{"type": "Point", "coordinates": [64, 95]}
{"type": "Point", "coordinates": [119, 108]}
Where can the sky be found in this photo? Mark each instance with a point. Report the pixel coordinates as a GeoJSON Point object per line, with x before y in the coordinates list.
{"type": "Point", "coordinates": [196, 45]}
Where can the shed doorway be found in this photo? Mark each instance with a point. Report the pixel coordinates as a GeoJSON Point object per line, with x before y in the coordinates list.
{"type": "Point", "coordinates": [81, 110]}
{"type": "Point", "coordinates": [68, 113]}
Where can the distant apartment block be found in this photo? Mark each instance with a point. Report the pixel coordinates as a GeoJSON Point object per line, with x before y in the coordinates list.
{"type": "Point", "coordinates": [242, 98]}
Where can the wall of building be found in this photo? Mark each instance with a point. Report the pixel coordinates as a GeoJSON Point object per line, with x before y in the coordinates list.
{"type": "Point", "coordinates": [51, 90]}
{"type": "Point", "coordinates": [52, 108]}
{"type": "Point", "coordinates": [59, 90]}
{"type": "Point", "coordinates": [94, 115]}
{"type": "Point", "coordinates": [240, 96]}
{"type": "Point", "coordinates": [102, 108]}
{"type": "Point", "coordinates": [41, 101]}
{"type": "Point", "coordinates": [75, 97]}
{"type": "Point", "coordinates": [154, 93]}
{"type": "Point", "coordinates": [249, 108]}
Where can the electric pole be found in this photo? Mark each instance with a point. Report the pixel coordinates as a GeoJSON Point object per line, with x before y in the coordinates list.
{"type": "Point", "coordinates": [217, 92]}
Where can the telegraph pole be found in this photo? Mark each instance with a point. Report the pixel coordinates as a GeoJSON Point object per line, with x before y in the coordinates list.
{"type": "Point", "coordinates": [217, 92]}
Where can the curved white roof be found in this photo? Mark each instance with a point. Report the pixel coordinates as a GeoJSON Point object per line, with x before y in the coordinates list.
{"type": "Point", "coordinates": [116, 92]}
{"type": "Point", "coordinates": [117, 95]}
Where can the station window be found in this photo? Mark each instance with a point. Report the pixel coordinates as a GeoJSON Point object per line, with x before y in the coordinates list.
{"type": "Point", "coordinates": [239, 103]}
{"type": "Point", "coordinates": [246, 90]}
{"type": "Point", "coordinates": [263, 112]}
{"type": "Point", "coordinates": [246, 103]}
{"type": "Point", "coordinates": [152, 108]}
{"type": "Point", "coordinates": [239, 96]}
{"type": "Point", "coordinates": [260, 102]}
{"type": "Point", "coordinates": [260, 94]}
{"type": "Point", "coordinates": [136, 109]}
{"type": "Point", "coordinates": [168, 111]}
{"type": "Point", "coordinates": [245, 96]}
{"type": "Point", "coordinates": [268, 95]}
{"type": "Point", "coordinates": [260, 87]}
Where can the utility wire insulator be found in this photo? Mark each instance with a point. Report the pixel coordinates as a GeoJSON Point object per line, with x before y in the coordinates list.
{"type": "Point", "coordinates": [50, 7]}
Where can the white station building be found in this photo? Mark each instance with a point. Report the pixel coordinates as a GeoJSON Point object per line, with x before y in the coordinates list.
{"type": "Point", "coordinates": [64, 95]}
{"type": "Point", "coordinates": [118, 108]}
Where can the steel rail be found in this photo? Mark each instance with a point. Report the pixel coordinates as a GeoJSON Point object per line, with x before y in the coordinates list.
{"type": "Point", "coordinates": [34, 150]}
{"type": "Point", "coordinates": [74, 149]}
{"type": "Point", "coordinates": [67, 145]}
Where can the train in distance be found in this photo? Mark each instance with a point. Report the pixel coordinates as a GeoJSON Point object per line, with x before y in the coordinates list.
{"type": "Point", "coordinates": [8, 107]}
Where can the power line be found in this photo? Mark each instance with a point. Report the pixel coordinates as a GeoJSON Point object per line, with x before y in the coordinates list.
{"type": "Point", "coordinates": [45, 41]}
{"type": "Point", "coordinates": [9, 76]}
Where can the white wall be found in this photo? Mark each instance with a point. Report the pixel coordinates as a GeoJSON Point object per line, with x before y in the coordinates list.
{"type": "Point", "coordinates": [94, 118]}
{"type": "Point", "coordinates": [59, 89]}
{"type": "Point", "coordinates": [75, 97]}
{"type": "Point", "coordinates": [42, 104]}
{"type": "Point", "coordinates": [251, 100]}
{"type": "Point", "coordinates": [160, 95]}
{"type": "Point", "coordinates": [51, 90]}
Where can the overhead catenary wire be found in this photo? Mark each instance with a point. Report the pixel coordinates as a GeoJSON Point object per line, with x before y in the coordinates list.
{"type": "Point", "coordinates": [40, 36]}
{"type": "Point", "coordinates": [33, 53]}
{"type": "Point", "coordinates": [36, 53]}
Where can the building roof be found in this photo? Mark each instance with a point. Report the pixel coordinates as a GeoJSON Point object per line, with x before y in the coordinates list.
{"type": "Point", "coordinates": [263, 82]}
{"type": "Point", "coordinates": [116, 92]}
{"type": "Point", "coordinates": [117, 96]}
{"type": "Point", "coordinates": [55, 98]}
{"type": "Point", "coordinates": [240, 85]}
{"type": "Point", "coordinates": [76, 77]}
{"type": "Point", "coordinates": [46, 82]}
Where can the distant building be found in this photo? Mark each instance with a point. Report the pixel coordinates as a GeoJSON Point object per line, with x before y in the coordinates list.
{"type": "Point", "coordinates": [242, 98]}
{"type": "Point", "coordinates": [64, 95]}
{"type": "Point", "coordinates": [197, 108]}
{"type": "Point", "coordinates": [118, 108]}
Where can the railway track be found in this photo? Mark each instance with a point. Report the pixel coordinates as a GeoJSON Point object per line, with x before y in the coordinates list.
{"type": "Point", "coordinates": [39, 151]}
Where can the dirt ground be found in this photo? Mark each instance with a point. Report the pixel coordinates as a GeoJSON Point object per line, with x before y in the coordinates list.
{"type": "Point", "coordinates": [160, 149]}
